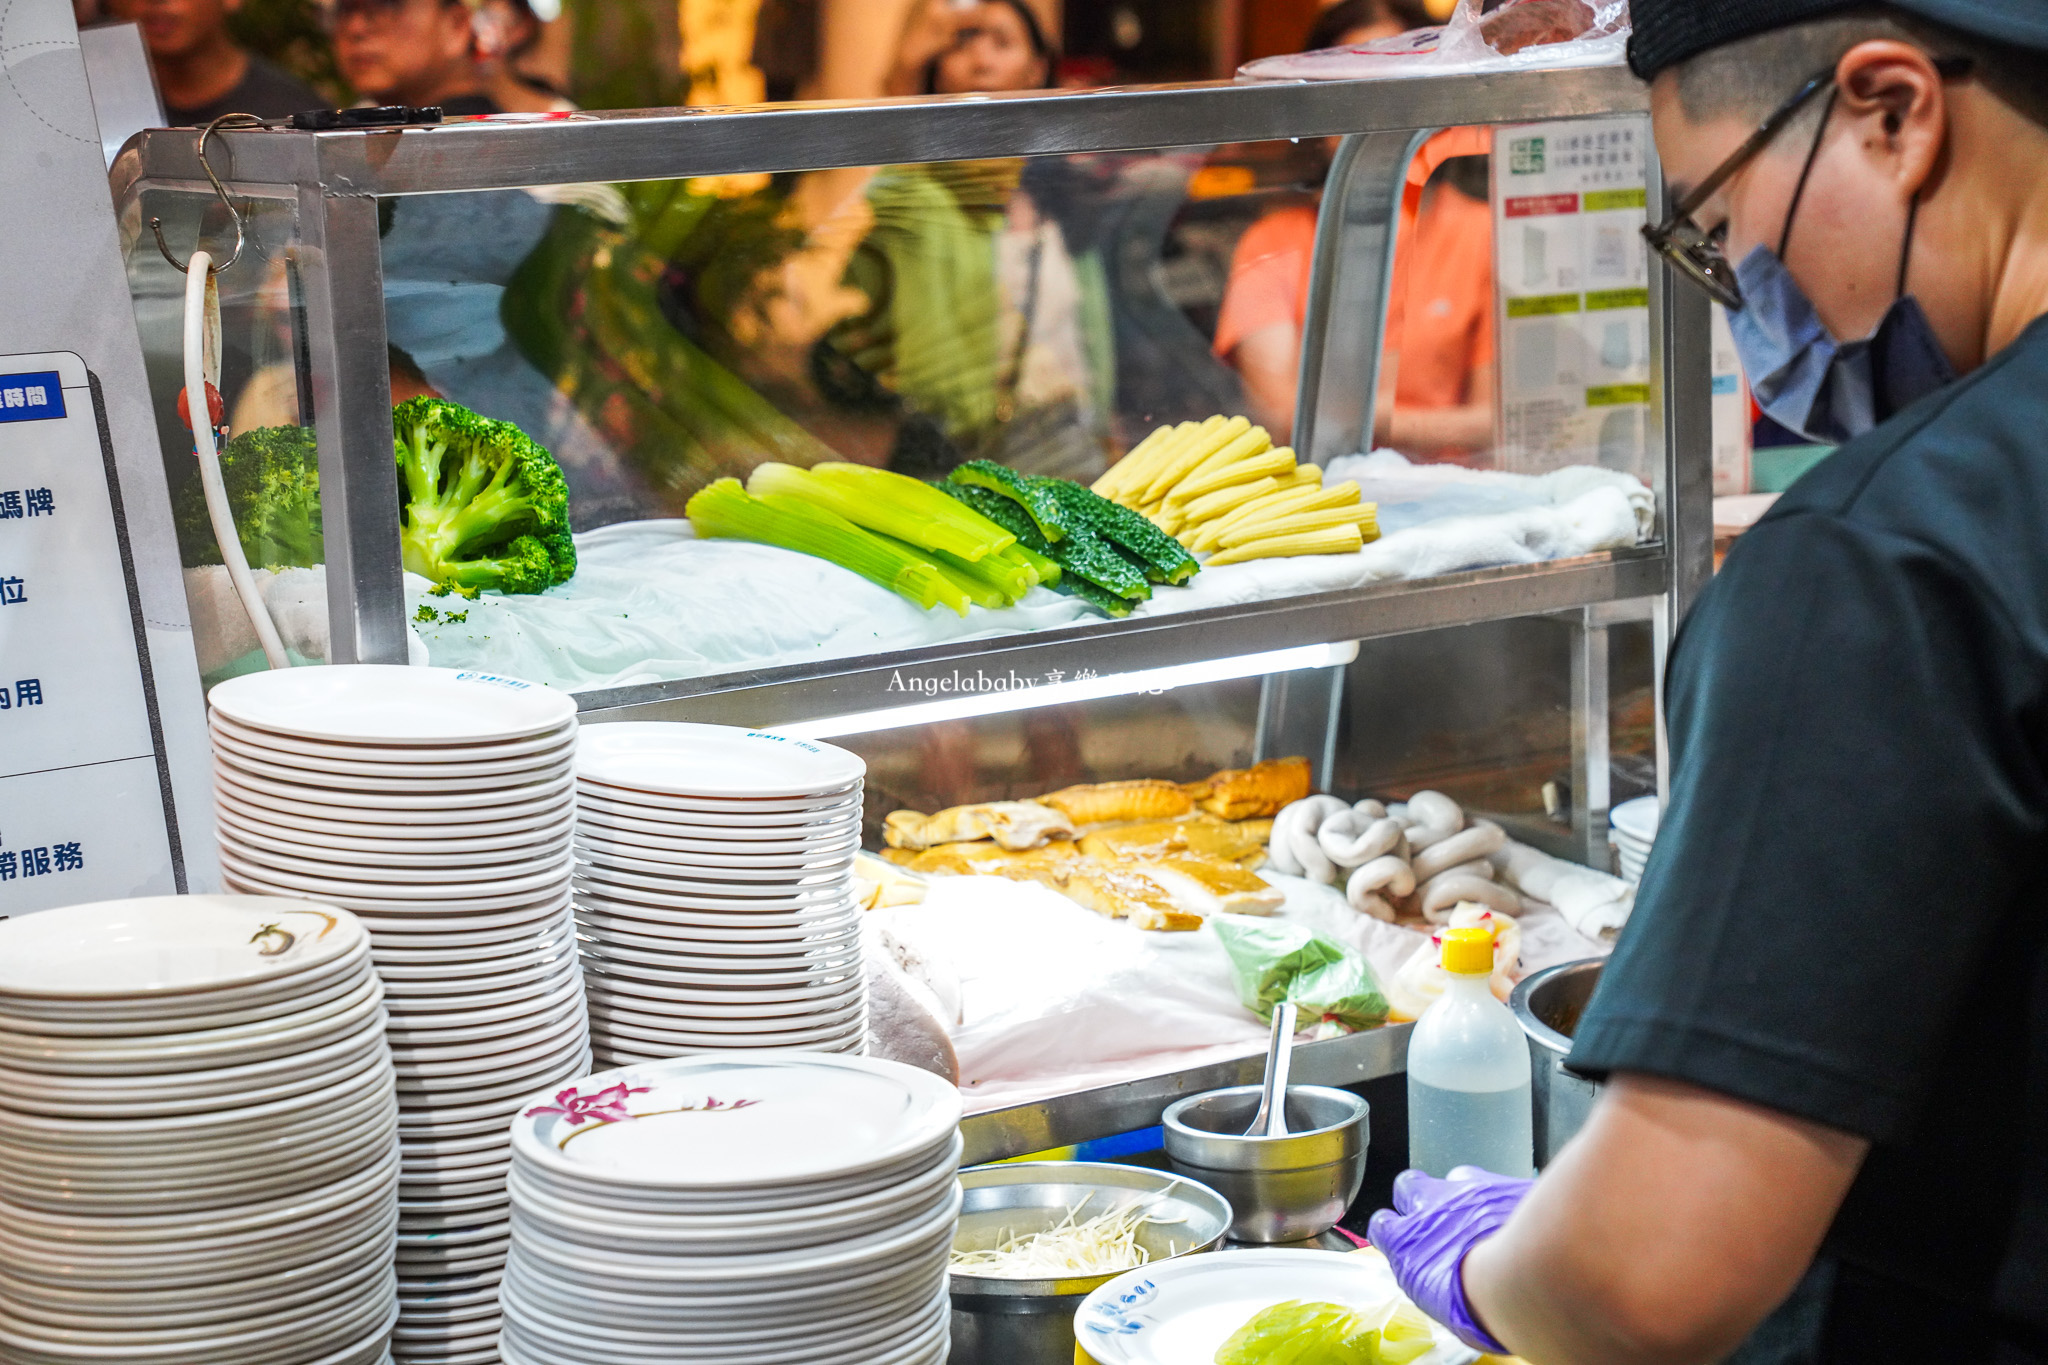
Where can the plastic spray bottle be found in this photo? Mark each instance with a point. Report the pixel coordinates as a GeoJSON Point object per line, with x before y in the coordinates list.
{"type": "Point", "coordinates": [1468, 1072]}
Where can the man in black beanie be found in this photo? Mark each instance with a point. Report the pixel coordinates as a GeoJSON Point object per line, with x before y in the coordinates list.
{"type": "Point", "coordinates": [1824, 1136]}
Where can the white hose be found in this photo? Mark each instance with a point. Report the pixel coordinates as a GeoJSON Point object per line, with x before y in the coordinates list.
{"type": "Point", "coordinates": [198, 273]}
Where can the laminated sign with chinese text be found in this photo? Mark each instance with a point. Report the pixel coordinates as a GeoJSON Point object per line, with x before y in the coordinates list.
{"type": "Point", "coordinates": [1570, 201]}
{"type": "Point", "coordinates": [103, 763]}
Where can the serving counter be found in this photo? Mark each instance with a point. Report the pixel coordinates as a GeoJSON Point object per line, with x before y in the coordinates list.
{"type": "Point", "coordinates": [340, 266]}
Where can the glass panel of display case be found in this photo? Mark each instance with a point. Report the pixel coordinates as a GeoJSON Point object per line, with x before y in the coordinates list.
{"type": "Point", "coordinates": [1046, 315]}
{"type": "Point", "coordinates": [270, 463]}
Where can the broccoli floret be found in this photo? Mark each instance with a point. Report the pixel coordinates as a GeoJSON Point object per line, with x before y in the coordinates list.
{"type": "Point", "coordinates": [484, 505]}
{"type": "Point", "coordinates": [272, 477]}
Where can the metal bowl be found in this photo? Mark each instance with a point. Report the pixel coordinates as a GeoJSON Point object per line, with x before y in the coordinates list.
{"type": "Point", "coordinates": [1031, 1322]}
{"type": "Point", "coordinates": [1548, 1006]}
{"type": "Point", "coordinates": [1285, 1189]}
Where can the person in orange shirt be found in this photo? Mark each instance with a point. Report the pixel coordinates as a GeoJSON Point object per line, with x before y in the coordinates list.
{"type": "Point", "coordinates": [1439, 372]}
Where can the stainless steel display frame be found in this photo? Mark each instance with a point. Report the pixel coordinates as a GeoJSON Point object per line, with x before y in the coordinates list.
{"type": "Point", "coordinates": [337, 179]}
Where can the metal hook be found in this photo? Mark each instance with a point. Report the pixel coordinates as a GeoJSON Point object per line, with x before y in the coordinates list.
{"type": "Point", "coordinates": [156, 225]}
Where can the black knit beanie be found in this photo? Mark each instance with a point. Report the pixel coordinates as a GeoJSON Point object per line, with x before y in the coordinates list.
{"type": "Point", "coordinates": [1668, 32]}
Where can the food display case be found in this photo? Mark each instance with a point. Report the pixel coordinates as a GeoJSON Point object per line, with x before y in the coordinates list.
{"type": "Point", "coordinates": [382, 262]}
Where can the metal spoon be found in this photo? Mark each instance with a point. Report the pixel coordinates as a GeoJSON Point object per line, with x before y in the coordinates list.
{"type": "Point", "coordinates": [1271, 1120]}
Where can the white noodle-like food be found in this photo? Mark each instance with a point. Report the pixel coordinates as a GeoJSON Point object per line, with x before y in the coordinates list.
{"type": "Point", "coordinates": [1106, 1244]}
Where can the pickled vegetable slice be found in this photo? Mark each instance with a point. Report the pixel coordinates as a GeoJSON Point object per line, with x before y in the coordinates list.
{"type": "Point", "coordinates": [1043, 508]}
{"type": "Point", "coordinates": [1164, 559]}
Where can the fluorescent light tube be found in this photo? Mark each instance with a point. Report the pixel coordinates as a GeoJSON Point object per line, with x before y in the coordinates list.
{"type": "Point", "coordinates": [977, 694]}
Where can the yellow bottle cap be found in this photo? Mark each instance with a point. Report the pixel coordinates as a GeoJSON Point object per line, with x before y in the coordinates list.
{"type": "Point", "coordinates": [1468, 952]}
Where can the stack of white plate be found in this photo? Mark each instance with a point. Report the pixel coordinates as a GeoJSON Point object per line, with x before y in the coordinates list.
{"type": "Point", "coordinates": [1635, 830]}
{"type": "Point", "coordinates": [198, 1136]}
{"type": "Point", "coordinates": [714, 891]}
{"type": "Point", "coordinates": [438, 806]}
{"type": "Point", "coordinates": [745, 1210]}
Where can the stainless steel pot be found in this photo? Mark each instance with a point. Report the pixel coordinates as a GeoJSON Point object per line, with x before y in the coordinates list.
{"type": "Point", "coordinates": [1285, 1189]}
{"type": "Point", "coordinates": [1548, 1005]}
{"type": "Point", "coordinates": [1031, 1322]}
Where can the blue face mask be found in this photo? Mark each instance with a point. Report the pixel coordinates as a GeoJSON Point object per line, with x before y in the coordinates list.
{"type": "Point", "coordinates": [1810, 383]}
{"type": "Point", "coordinates": [1806, 381]}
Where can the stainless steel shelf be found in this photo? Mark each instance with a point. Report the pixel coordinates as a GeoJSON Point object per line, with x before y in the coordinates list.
{"type": "Point", "coordinates": [838, 687]}
{"type": "Point", "coordinates": [1132, 1106]}
{"type": "Point", "coordinates": [666, 143]}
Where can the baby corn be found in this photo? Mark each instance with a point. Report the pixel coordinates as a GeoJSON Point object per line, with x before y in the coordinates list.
{"type": "Point", "coordinates": [1269, 465]}
{"type": "Point", "coordinates": [1125, 472]}
{"type": "Point", "coordinates": [1286, 502]}
{"type": "Point", "coordinates": [1222, 488]}
{"type": "Point", "coordinates": [1137, 489]}
{"type": "Point", "coordinates": [1225, 500]}
{"type": "Point", "coordinates": [1338, 540]}
{"type": "Point", "coordinates": [1257, 441]}
{"type": "Point", "coordinates": [1364, 516]}
{"type": "Point", "coordinates": [1206, 442]}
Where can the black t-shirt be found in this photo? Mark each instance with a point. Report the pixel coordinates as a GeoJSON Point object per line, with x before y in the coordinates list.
{"type": "Point", "coordinates": [1845, 917]}
{"type": "Point", "coordinates": [266, 90]}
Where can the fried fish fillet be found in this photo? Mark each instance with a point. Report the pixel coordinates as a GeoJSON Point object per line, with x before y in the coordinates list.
{"type": "Point", "coordinates": [1260, 790]}
{"type": "Point", "coordinates": [985, 858]}
{"type": "Point", "coordinates": [1203, 834]}
{"type": "Point", "coordinates": [1144, 798]}
{"type": "Point", "coordinates": [1207, 886]}
{"type": "Point", "coordinates": [1124, 894]}
{"type": "Point", "coordinates": [1012, 824]}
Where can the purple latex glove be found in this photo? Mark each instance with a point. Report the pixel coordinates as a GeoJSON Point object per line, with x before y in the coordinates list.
{"type": "Point", "coordinates": [1427, 1234]}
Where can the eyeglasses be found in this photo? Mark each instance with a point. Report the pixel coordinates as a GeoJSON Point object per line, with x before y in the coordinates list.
{"type": "Point", "coordinates": [1694, 252]}
{"type": "Point", "coordinates": [1697, 254]}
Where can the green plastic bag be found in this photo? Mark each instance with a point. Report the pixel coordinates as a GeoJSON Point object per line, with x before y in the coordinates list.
{"type": "Point", "coordinates": [1299, 1333]}
{"type": "Point", "coordinates": [1344, 992]}
{"type": "Point", "coordinates": [1274, 960]}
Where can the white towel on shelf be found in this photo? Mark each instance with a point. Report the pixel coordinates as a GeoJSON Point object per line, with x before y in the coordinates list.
{"type": "Point", "coordinates": [1594, 904]}
{"type": "Point", "coordinates": [651, 602]}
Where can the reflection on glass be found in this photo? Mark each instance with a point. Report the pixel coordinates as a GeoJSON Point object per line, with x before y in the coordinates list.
{"type": "Point", "coordinates": [1046, 314]}
{"type": "Point", "coordinates": [1437, 386]}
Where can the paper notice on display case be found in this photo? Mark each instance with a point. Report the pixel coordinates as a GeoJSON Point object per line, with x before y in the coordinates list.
{"type": "Point", "coordinates": [1570, 201]}
{"type": "Point", "coordinates": [1732, 431]}
{"type": "Point", "coordinates": [84, 808]}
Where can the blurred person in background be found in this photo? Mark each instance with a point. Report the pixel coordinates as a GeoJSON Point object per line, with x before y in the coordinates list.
{"type": "Point", "coordinates": [982, 329]}
{"type": "Point", "coordinates": [952, 49]}
{"type": "Point", "coordinates": [505, 32]}
{"type": "Point", "coordinates": [1438, 397]}
{"type": "Point", "coordinates": [202, 72]}
{"type": "Point", "coordinates": [979, 331]}
{"type": "Point", "coordinates": [417, 52]}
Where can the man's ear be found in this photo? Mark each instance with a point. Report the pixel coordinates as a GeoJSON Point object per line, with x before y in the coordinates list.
{"type": "Point", "coordinates": [1896, 87]}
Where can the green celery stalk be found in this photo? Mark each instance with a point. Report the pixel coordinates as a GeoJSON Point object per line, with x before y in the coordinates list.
{"type": "Point", "coordinates": [726, 511]}
{"type": "Point", "coordinates": [1006, 571]}
{"type": "Point", "coordinates": [1048, 572]}
{"type": "Point", "coordinates": [957, 572]}
{"type": "Point", "coordinates": [890, 504]}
